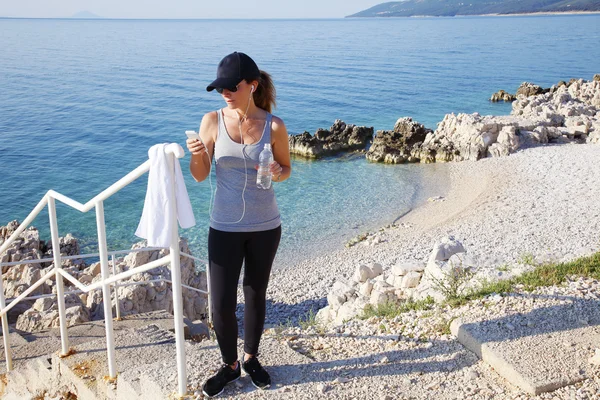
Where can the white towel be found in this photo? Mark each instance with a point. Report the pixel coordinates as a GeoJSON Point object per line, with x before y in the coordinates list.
{"type": "Point", "coordinates": [156, 222]}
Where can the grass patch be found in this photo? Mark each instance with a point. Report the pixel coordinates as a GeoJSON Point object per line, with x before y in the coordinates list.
{"type": "Point", "coordinates": [504, 268]}
{"type": "Point", "coordinates": [543, 275]}
{"type": "Point", "coordinates": [310, 320]}
{"type": "Point", "coordinates": [443, 326]}
{"type": "Point", "coordinates": [391, 310]}
{"type": "Point", "coordinates": [527, 259]}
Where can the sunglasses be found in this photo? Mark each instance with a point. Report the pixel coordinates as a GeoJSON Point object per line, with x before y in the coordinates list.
{"type": "Point", "coordinates": [235, 89]}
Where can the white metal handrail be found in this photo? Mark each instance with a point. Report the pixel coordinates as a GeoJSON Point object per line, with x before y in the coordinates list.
{"type": "Point", "coordinates": [91, 255]}
{"type": "Point", "coordinates": [174, 151]}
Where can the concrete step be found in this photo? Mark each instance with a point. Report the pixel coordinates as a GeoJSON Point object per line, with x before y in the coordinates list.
{"type": "Point", "coordinates": [38, 352]}
{"type": "Point", "coordinates": [538, 352]}
{"type": "Point", "coordinates": [17, 380]}
{"type": "Point", "coordinates": [87, 369]}
{"type": "Point", "coordinates": [37, 375]}
{"type": "Point", "coordinates": [145, 360]}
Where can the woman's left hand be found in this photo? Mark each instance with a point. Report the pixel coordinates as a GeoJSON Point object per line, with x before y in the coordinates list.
{"type": "Point", "coordinates": [276, 170]}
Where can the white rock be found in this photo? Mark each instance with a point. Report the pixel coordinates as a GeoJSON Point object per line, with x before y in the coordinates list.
{"type": "Point", "coordinates": [341, 379]}
{"type": "Point", "coordinates": [360, 304]}
{"type": "Point", "coordinates": [376, 269]}
{"type": "Point", "coordinates": [378, 297]}
{"type": "Point", "coordinates": [43, 304]}
{"type": "Point", "coordinates": [366, 288]}
{"type": "Point", "coordinates": [397, 281]}
{"type": "Point", "coordinates": [389, 279]}
{"type": "Point", "coordinates": [411, 280]}
{"type": "Point", "coordinates": [404, 268]}
{"type": "Point", "coordinates": [321, 388]}
{"type": "Point", "coordinates": [324, 316]}
{"type": "Point", "coordinates": [445, 248]}
{"type": "Point", "coordinates": [362, 274]}
{"type": "Point", "coordinates": [462, 260]}
{"type": "Point", "coordinates": [341, 286]}
{"type": "Point", "coordinates": [381, 286]}
{"type": "Point", "coordinates": [472, 375]}
{"type": "Point", "coordinates": [346, 312]}
{"type": "Point", "coordinates": [595, 359]}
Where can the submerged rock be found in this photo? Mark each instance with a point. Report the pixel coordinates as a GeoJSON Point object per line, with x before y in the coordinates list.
{"type": "Point", "coordinates": [341, 137]}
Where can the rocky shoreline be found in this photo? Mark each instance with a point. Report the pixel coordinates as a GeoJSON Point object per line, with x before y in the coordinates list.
{"type": "Point", "coordinates": [565, 113]}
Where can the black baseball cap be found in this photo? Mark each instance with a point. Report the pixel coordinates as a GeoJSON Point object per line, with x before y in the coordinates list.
{"type": "Point", "coordinates": [232, 69]}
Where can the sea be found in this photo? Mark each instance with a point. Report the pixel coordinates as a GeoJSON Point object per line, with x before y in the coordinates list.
{"type": "Point", "coordinates": [82, 101]}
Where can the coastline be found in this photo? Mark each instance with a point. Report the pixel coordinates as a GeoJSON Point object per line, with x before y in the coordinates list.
{"type": "Point", "coordinates": [537, 13]}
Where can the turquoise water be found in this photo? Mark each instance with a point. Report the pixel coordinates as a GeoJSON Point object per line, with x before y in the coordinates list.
{"type": "Point", "coordinates": [81, 101]}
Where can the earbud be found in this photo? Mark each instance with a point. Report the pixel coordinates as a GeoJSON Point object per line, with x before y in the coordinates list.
{"type": "Point", "coordinates": [252, 89]}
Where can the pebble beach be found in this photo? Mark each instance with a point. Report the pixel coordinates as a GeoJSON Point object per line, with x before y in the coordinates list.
{"type": "Point", "coordinates": [540, 204]}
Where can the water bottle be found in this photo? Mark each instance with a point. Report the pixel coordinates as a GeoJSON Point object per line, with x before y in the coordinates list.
{"type": "Point", "coordinates": [263, 177]}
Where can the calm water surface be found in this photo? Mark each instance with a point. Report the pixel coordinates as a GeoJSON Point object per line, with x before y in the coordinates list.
{"type": "Point", "coordinates": [83, 100]}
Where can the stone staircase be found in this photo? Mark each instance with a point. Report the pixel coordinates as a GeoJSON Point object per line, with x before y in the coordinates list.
{"type": "Point", "coordinates": [145, 357]}
{"type": "Point", "coordinates": [142, 341]}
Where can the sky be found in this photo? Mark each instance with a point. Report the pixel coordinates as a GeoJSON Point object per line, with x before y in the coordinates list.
{"type": "Point", "coordinates": [185, 8]}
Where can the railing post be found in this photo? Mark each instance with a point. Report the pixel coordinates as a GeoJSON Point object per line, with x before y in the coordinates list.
{"type": "Point", "coordinates": [177, 291]}
{"type": "Point", "coordinates": [60, 290]}
{"type": "Point", "coordinates": [106, 298]}
{"type": "Point", "coordinates": [114, 271]}
{"type": "Point", "coordinates": [210, 324]}
{"type": "Point", "coordinates": [5, 332]}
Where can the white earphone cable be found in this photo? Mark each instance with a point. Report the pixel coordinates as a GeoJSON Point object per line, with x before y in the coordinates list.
{"type": "Point", "coordinates": [213, 194]}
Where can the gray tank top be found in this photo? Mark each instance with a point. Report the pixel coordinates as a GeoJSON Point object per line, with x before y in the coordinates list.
{"type": "Point", "coordinates": [261, 212]}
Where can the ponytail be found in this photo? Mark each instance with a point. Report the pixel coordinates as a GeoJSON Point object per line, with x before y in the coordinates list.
{"type": "Point", "coordinates": [264, 96]}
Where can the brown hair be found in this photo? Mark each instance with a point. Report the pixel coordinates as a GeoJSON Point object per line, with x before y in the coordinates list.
{"type": "Point", "coordinates": [264, 96]}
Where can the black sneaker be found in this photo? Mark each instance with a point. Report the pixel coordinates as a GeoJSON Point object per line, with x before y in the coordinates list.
{"type": "Point", "coordinates": [260, 377]}
{"type": "Point", "coordinates": [215, 385]}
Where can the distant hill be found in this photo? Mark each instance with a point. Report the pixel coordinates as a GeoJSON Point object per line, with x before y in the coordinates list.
{"type": "Point", "coordinates": [85, 15]}
{"type": "Point", "coordinates": [449, 8]}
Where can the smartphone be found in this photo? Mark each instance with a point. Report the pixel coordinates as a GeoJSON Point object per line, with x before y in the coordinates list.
{"type": "Point", "coordinates": [192, 135]}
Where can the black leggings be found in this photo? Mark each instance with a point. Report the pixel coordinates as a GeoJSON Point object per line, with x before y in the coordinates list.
{"type": "Point", "coordinates": [226, 252]}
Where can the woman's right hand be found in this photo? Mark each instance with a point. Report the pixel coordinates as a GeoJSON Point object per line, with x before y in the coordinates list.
{"type": "Point", "coordinates": [195, 146]}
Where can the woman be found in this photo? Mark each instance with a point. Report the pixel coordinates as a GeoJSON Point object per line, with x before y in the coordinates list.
{"type": "Point", "coordinates": [245, 226]}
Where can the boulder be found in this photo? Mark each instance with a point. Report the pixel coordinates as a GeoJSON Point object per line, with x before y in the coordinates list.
{"type": "Point", "coordinates": [324, 316]}
{"type": "Point", "coordinates": [378, 297]}
{"type": "Point", "coordinates": [402, 269]}
{"type": "Point", "coordinates": [362, 274]}
{"type": "Point", "coordinates": [397, 146]}
{"type": "Point", "coordinates": [153, 296]}
{"type": "Point", "coordinates": [444, 249]}
{"type": "Point", "coordinates": [529, 89]}
{"type": "Point", "coordinates": [341, 137]}
{"type": "Point", "coordinates": [335, 300]}
{"type": "Point", "coordinates": [411, 280]}
{"type": "Point", "coordinates": [44, 314]}
{"type": "Point", "coordinates": [366, 288]}
{"type": "Point", "coordinates": [376, 269]}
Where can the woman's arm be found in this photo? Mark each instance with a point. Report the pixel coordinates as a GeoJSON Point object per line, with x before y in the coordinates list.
{"type": "Point", "coordinates": [281, 168]}
{"type": "Point", "coordinates": [200, 162]}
